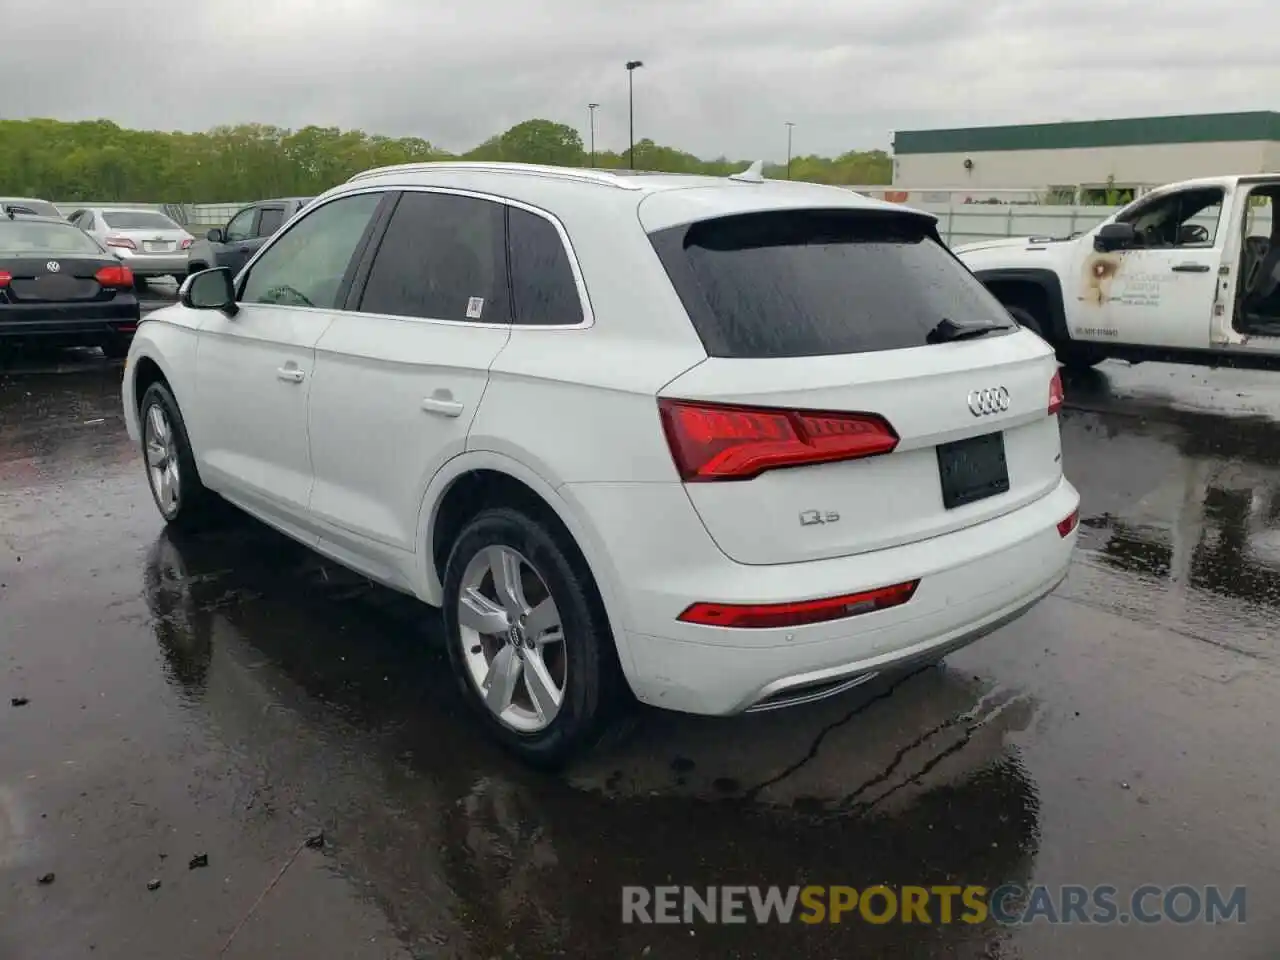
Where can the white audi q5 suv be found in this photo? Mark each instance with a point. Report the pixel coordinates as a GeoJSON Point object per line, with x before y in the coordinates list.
{"type": "Point", "coordinates": [727, 444]}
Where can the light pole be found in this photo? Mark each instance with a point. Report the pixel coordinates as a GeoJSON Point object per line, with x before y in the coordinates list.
{"type": "Point", "coordinates": [592, 108]}
{"type": "Point", "coordinates": [789, 126]}
{"type": "Point", "coordinates": [631, 109]}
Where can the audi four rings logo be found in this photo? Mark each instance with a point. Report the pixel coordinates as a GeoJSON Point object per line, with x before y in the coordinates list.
{"type": "Point", "coordinates": [983, 403]}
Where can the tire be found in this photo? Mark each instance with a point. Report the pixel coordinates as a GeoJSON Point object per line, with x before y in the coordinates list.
{"type": "Point", "coordinates": [1076, 357]}
{"type": "Point", "coordinates": [116, 348]}
{"type": "Point", "coordinates": [186, 505]}
{"type": "Point", "coordinates": [582, 664]}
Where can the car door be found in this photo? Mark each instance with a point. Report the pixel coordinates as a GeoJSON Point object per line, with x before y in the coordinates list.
{"type": "Point", "coordinates": [240, 240]}
{"type": "Point", "coordinates": [253, 369]}
{"type": "Point", "coordinates": [1161, 292]}
{"type": "Point", "coordinates": [400, 374]}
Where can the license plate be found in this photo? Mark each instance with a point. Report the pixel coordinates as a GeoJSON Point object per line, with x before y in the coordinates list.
{"type": "Point", "coordinates": [156, 246]}
{"type": "Point", "coordinates": [972, 469]}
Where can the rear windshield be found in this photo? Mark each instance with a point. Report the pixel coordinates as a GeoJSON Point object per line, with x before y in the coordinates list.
{"type": "Point", "coordinates": [27, 238]}
{"type": "Point", "coordinates": [137, 220]}
{"type": "Point", "coordinates": [40, 208]}
{"type": "Point", "coordinates": [819, 283]}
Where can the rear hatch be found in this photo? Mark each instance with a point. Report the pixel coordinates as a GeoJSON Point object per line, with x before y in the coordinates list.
{"type": "Point", "coordinates": [862, 389]}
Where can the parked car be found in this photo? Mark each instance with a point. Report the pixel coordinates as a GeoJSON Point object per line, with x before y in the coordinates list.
{"type": "Point", "coordinates": [1188, 273]}
{"type": "Point", "coordinates": [29, 206]}
{"type": "Point", "coordinates": [733, 444]}
{"type": "Point", "coordinates": [59, 286]}
{"type": "Point", "coordinates": [245, 233]}
{"type": "Point", "coordinates": [151, 243]}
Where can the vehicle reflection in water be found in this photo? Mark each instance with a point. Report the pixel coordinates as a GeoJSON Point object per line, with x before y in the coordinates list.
{"type": "Point", "coordinates": [1196, 528]}
{"type": "Point", "coordinates": [333, 698]}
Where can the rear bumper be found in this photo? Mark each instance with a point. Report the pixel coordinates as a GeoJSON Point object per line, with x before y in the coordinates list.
{"type": "Point", "coordinates": [72, 323]}
{"type": "Point", "coordinates": [972, 582]}
{"type": "Point", "coordinates": [156, 265]}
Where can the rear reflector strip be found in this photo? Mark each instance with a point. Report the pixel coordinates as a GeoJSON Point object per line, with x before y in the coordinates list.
{"type": "Point", "coordinates": [761, 616]}
{"type": "Point", "coordinates": [1067, 524]}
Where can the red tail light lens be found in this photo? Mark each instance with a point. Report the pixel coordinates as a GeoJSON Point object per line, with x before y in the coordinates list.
{"type": "Point", "coordinates": [721, 442]}
{"type": "Point", "coordinates": [186, 243]}
{"type": "Point", "coordinates": [1067, 524]}
{"type": "Point", "coordinates": [761, 616]}
{"type": "Point", "coordinates": [114, 277]}
{"type": "Point", "coordinates": [124, 242]}
{"type": "Point", "coordinates": [5, 277]}
{"type": "Point", "coordinates": [1056, 395]}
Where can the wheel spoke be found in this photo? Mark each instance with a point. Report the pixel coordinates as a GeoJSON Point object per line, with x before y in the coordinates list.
{"type": "Point", "coordinates": [542, 689]}
{"type": "Point", "coordinates": [171, 471]}
{"type": "Point", "coordinates": [159, 428]}
{"type": "Point", "coordinates": [479, 613]}
{"type": "Point", "coordinates": [543, 619]}
{"type": "Point", "coordinates": [156, 454]}
{"type": "Point", "coordinates": [164, 491]}
{"type": "Point", "coordinates": [500, 684]}
{"type": "Point", "coordinates": [505, 567]}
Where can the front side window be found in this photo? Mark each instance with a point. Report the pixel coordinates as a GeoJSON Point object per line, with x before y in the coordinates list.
{"type": "Point", "coordinates": [241, 225]}
{"type": "Point", "coordinates": [270, 221]}
{"type": "Point", "coordinates": [543, 289]}
{"type": "Point", "coordinates": [306, 265]}
{"type": "Point", "coordinates": [1187, 218]}
{"type": "Point", "coordinates": [443, 257]}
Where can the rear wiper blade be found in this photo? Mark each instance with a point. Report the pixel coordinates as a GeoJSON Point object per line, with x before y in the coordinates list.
{"type": "Point", "coordinates": [948, 330]}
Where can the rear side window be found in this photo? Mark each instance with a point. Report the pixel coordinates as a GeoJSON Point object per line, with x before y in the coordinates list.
{"type": "Point", "coordinates": [269, 221]}
{"type": "Point", "coordinates": [819, 283]}
{"type": "Point", "coordinates": [443, 257]}
{"type": "Point", "coordinates": [543, 290]}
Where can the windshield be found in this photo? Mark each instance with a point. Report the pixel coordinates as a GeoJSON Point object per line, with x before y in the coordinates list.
{"type": "Point", "coordinates": [137, 220]}
{"type": "Point", "coordinates": [24, 238]}
{"type": "Point", "coordinates": [801, 283]}
{"type": "Point", "coordinates": [40, 208]}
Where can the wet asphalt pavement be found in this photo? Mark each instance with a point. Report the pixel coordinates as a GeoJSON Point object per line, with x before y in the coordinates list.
{"type": "Point", "coordinates": [234, 694]}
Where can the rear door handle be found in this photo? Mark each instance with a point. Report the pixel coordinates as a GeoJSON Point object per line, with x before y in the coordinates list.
{"type": "Point", "coordinates": [290, 374]}
{"type": "Point", "coordinates": [442, 406]}
{"type": "Point", "coordinates": [1191, 268]}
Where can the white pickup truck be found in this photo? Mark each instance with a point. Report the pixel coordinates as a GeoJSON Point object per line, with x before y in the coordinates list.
{"type": "Point", "coordinates": [1188, 273]}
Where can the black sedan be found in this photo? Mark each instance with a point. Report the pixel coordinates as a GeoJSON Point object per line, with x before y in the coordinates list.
{"type": "Point", "coordinates": [59, 287]}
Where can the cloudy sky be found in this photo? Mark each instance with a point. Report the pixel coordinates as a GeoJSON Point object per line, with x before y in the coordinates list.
{"type": "Point", "coordinates": [720, 76]}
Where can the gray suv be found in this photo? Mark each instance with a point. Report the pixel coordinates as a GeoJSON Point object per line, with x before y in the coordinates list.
{"type": "Point", "coordinates": [232, 246]}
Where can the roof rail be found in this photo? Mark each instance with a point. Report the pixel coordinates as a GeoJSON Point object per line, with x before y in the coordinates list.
{"type": "Point", "coordinates": [578, 174]}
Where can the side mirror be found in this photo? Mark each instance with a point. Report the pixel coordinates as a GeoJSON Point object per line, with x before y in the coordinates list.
{"type": "Point", "coordinates": [1190, 234]}
{"type": "Point", "coordinates": [210, 290]}
{"type": "Point", "coordinates": [1114, 236]}
{"type": "Point", "coordinates": [216, 235]}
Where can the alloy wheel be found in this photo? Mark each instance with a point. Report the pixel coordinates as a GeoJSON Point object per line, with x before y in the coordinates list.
{"type": "Point", "coordinates": [512, 639]}
{"type": "Point", "coordinates": [161, 449]}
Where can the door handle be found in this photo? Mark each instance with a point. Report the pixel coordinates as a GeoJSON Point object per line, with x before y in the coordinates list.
{"type": "Point", "coordinates": [290, 374]}
{"type": "Point", "coordinates": [442, 406]}
{"type": "Point", "coordinates": [1191, 268]}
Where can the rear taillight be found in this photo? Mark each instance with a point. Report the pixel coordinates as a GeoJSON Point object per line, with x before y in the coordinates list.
{"type": "Point", "coordinates": [1067, 524]}
{"type": "Point", "coordinates": [719, 442]}
{"type": "Point", "coordinates": [114, 277]}
{"type": "Point", "coordinates": [5, 277]}
{"type": "Point", "coordinates": [1056, 396]}
{"type": "Point", "coordinates": [124, 242]}
{"type": "Point", "coordinates": [760, 616]}
{"type": "Point", "coordinates": [186, 243]}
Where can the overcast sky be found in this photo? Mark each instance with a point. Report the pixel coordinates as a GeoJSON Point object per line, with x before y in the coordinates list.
{"type": "Point", "coordinates": [720, 76]}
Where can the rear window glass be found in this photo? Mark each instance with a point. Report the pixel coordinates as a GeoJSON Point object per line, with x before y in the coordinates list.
{"type": "Point", "coordinates": [39, 208]}
{"type": "Point", "coordinates": [25, 238]}
{"type": "Point", "coordinates": [819, 283]}
{"type": "Point", "coordinates": [137, 220]}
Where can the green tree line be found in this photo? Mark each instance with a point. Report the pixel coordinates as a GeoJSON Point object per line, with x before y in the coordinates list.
{"type": "Point", "coordinates": [98, 160]}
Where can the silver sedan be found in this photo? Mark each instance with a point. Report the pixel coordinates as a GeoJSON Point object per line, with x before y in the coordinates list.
{"type": "Point", "coordinates": [147, 241]}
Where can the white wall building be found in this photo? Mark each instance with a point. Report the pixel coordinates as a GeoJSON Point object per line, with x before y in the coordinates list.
{"type": "Point", "coordinates": [1065, 157]}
